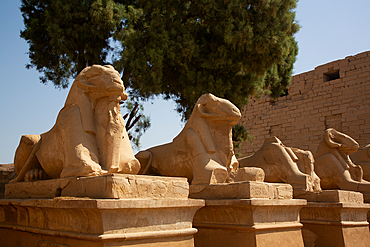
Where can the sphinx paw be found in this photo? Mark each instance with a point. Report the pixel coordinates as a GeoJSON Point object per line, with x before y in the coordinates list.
{"type": "Point", "coordinates": [35, 174]}
{"type": "Point", "coordinates": [218, 175]}
{"type": "Point", "coordinates": [130, 167]}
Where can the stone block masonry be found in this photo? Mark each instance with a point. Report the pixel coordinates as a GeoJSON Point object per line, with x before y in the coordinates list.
{"type": "Point", "coordinates": [333, 95]}
{"type": "Point", "coordinates": [6, 173]}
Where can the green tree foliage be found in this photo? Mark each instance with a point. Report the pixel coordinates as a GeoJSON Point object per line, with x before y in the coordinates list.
{"type": "Point", "coordinates": [240, 135]}
{"type": "Point", "coordinates": [65, 36]}
{"type": "Point", "coordinates": [136, 122]}
{"type": "Point", "coordinates": [232, 48]}
{"type": "Point", "coordinates": [177, 49]}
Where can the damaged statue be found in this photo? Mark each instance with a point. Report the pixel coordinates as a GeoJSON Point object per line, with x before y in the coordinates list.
{"type": "Point", "coordinates": [285, 164]}
{"type": "Point", "coordinates": [203, 151]}
{"type": "Point", "coordinates": [334, 166]}
{"type": "Point", "coordinates": [89, 137]}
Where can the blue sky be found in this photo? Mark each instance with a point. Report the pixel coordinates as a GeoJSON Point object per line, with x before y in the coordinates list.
{"type": "Point", "coordinates": [330, 30]}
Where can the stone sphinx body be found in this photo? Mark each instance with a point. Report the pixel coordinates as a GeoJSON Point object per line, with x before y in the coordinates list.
{"type": "Point", "coordinates": [89, 137]}
{"type": "Point", "coordinates": [203, 151]}
{"type": "Point", "coordinates": [363, 160]}
{"type": "Point", "coordinates": [334, 166]}
{"type": "Point", "coordinates": [284, 164]}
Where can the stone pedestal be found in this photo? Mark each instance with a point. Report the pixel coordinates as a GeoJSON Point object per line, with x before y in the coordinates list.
{"type": "Point", "coordinates": [112, 186]}
{"type": "Point", "coordinates": [335, 218]}
{"type": "Point", "coordinates": [148, 211]}
{"type": "Point", "coordinates": [264, 220]}
{"type": "Point", "coordinates": [367, 200]}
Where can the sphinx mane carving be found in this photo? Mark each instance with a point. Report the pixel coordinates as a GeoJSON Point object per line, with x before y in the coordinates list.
{"type": "Point", "coordinates": [203, 151]}
{"type": "Point", "coordinates": [89, 137]}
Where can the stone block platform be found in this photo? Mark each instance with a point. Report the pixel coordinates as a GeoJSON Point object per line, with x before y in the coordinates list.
{"type": "Point", "coordinates": [335, 218]}
{"type": "Point", "coordinates": [149, 211]}
{"type": "Point", "coordinates": [268, 217]}
{"type": "Point", "coordinates": [242, 190]}
{"type": "Point", "coordinates": [112, 186]}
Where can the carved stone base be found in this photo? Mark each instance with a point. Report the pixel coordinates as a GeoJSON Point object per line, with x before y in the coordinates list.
{"type": "Point", "coordinates": [114, 186]}
{"type": "Point", "coordinates": [249, 222]}
{"type": "Point", "coordinates": [341, 222]}
{"type": "Point", "coordinates": [367, 200]}
{"type": "Point", "coordinates": [156, 213]}
{"type": "Point", "coordinates": [342, 196]}
{"type": "Point", "coordinates": [242, 190]}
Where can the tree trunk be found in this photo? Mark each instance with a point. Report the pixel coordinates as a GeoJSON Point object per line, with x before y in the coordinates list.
{"type": "Point", "coordinates": [81, 61]}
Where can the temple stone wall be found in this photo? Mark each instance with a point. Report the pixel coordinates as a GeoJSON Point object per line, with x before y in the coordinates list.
{"type": "Point", "coordinates": [333, 95]}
